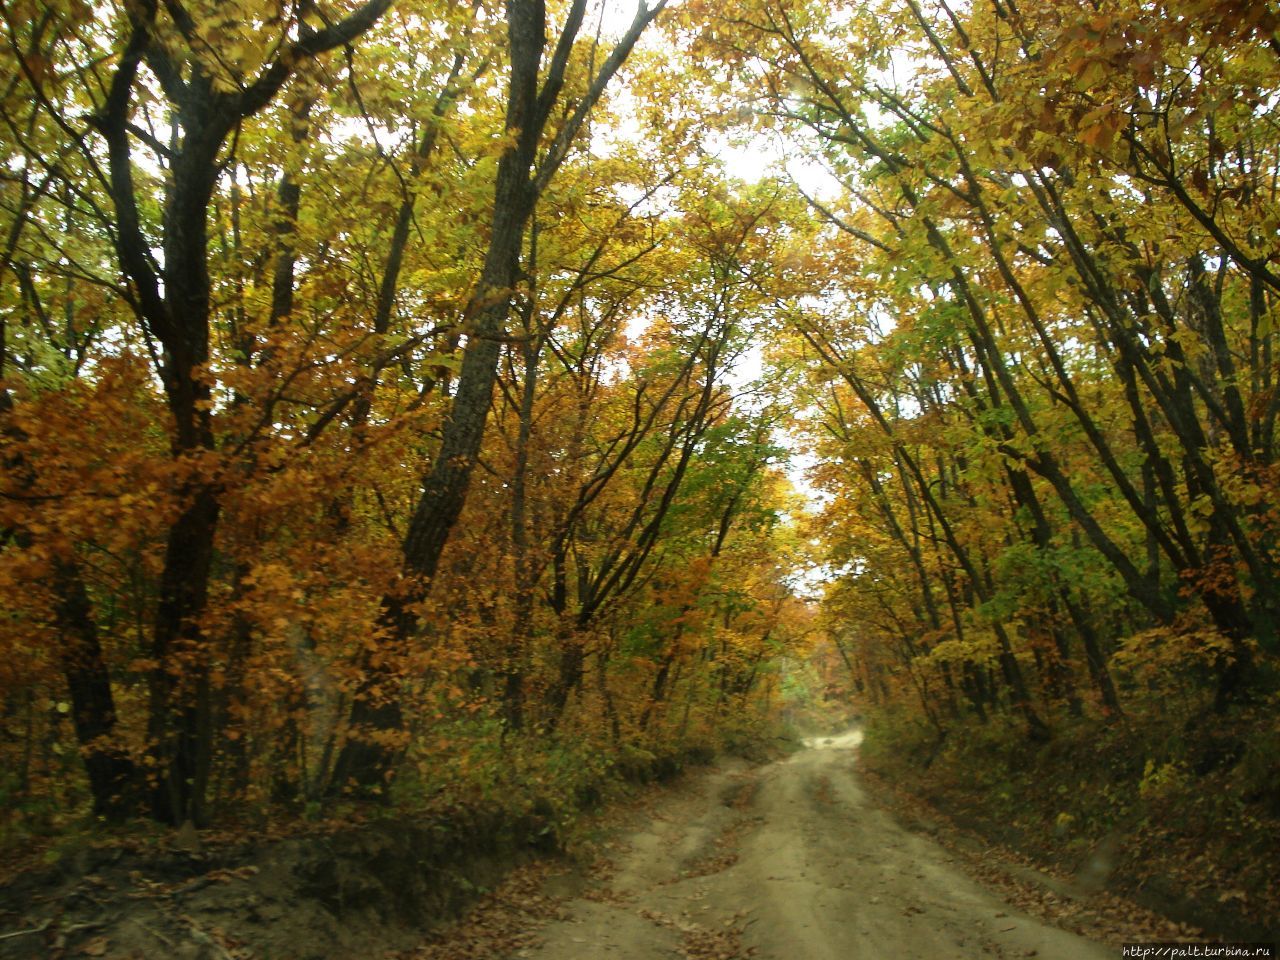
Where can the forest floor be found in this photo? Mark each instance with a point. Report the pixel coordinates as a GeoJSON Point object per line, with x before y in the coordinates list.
{"type": "Point", "coordinates": [792, 859]}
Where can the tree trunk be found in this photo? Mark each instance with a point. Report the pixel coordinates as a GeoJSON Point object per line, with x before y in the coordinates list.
{"type": "Point", "coordinates": [366, 762]}
{"type": "Point", "coordinates": [111, 773]}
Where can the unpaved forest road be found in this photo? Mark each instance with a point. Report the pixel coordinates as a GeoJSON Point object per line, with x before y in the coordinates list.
{"type": "Point", "coordinates": [820, 873]}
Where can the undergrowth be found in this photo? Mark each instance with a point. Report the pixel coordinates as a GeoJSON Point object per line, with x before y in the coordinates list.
{"type": "Point", "coordinates": [468, 777]}
{"type": "Point", "coordinates": [1186, 808]}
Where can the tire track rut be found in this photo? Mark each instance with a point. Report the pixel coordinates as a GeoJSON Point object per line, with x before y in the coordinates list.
{"type": "Point", "coordinates": [790, 861]}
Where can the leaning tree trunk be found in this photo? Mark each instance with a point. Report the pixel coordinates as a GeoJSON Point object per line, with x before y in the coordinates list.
{"type": "Point", "coordinates": [376, 722]}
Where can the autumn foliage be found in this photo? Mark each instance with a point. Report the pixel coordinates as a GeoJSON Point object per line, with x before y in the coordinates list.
{"type": "Point", "coordinates": [1040, 387]}
{"type": "Point", "coordinates": [367, 431]}
{"type": "Point", "coordinates": [397, 399]}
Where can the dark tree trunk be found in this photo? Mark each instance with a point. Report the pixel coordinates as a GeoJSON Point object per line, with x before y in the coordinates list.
{"type": "Point", "coordinates": [112, 774]}
{"type": "Point", "coordinates": [366, 761]}
{"type": "Point", "coordinates": [174, 305]}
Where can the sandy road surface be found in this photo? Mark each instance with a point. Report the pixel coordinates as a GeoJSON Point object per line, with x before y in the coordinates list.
{"type": "Point", "coordinates": [791, 861]}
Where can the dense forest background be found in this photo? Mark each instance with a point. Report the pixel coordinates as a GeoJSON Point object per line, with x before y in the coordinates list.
{"type": "Point", "coordinates": [418, 401]}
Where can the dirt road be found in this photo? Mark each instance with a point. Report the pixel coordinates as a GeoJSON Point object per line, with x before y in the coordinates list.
{"type": "Point", "coordinates": [790, 861]}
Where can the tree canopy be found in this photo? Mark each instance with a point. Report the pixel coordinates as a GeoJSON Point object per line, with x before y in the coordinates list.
{"type": "Point", "coordinates": [393, 394]}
